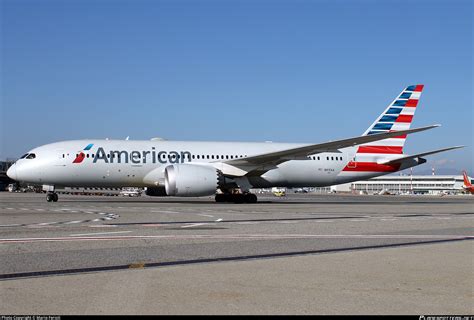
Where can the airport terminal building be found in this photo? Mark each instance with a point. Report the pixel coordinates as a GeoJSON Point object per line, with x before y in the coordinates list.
{"type": "Point", "coordinates": [406, 184]}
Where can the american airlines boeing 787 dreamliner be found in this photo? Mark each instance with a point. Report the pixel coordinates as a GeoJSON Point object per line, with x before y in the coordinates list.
{"type": "Point", "coordinates": [226, 169]}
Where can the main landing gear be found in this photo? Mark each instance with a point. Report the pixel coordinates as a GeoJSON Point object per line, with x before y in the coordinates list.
{"type": "Point", "coordinates": [52, 196]}
{"type": "Point", "coordinates": [236, 197]}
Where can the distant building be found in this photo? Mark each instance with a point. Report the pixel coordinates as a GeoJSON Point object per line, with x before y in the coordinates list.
{"type": "Point", "coordinates": [426, 184]}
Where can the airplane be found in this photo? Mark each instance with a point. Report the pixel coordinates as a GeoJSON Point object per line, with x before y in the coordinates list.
{"type": "Point", "coordinates": [467, 183]}
{"type": "Point", "coordinates": [227, 170]}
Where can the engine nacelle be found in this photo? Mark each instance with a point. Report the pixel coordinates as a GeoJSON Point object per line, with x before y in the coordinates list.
{"type": "Point", "coordinates": [155, 191]}
{"type": "Point", "coordinates": [189, 180]}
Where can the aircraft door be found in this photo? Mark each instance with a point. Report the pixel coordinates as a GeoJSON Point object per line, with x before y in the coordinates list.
{"type": "Point", "coordinates": [61, 158]}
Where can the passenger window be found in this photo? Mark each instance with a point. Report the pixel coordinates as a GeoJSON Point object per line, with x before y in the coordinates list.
{"type": "Point", "coordinates": [208, 156]}
{"type": "Point", "coordinates": [332, 158]}
{"type": "Point", "coordinates": [212, 156]}
{"type": "Point", "coordinates": [319, 158]}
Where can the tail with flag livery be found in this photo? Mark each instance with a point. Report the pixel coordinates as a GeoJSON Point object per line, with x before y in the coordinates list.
{"type": "Point", "coordinates": [369, 157]}
{"type": "Point", "coordinates": [398, 116]}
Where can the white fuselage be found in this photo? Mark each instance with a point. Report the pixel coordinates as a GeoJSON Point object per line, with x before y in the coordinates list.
{"type": "Point", "coordinates": [119, 163]}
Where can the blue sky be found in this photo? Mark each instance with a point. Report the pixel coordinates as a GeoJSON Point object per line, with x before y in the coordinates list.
{"type": "Point", "coordinates": [290, 71]}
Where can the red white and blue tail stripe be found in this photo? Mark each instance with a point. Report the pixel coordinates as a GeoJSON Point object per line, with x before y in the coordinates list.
{"type": "Point", "coordinates": [397, 116]}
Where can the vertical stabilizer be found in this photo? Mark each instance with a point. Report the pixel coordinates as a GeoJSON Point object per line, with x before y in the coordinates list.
{"type": "Point", "coordinates": [467, 183]}
{"type": "Point", "coordinates": [397, 116]}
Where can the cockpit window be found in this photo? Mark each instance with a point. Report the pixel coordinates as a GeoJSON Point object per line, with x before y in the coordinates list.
{"type": "Point", "coordinates": [31, 156]}
{"type": "Point", "coordinates": [24, 156]}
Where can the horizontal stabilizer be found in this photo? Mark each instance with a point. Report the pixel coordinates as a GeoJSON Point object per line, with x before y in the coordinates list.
{"type": "Point", "coordinates": [419, 155]}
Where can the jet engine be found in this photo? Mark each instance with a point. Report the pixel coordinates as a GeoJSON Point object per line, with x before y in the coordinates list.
{"type": "Point", "coordinates": [190, 180]}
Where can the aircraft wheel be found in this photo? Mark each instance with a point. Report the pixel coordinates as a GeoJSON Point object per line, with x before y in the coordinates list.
{"type": "Point", "coordinates": [49, 197]}
{"type": "Point", "coordinates": [55, 197]}
{"type": "Point", "coordinates": [220, 198]}
{"type": "Point", "coordinates": [250, 198]}
{"type": "Point", "coordinates": [238, 198]}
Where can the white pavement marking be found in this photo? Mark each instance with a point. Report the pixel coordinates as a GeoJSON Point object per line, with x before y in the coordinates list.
{"type": "Point", "coordinates": [219, 220]}
{"type": "Point", "coordinates": [206, 215]}
{"type": "Point", "coordinates": [96, 234]}
{"type": "Point", "coordinates": [104, 226]}
{"type": "Point", "coordinates": [194, 225]}
{"type": "Point", "coordinates": [164, 211]}
{"type": "Point", "coordinates": [244, 236]}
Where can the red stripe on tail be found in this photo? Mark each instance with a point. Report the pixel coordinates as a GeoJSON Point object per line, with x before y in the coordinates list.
{"type": "Point", "coordinates": [419, 88]}
{"type": "Point", "coordinates": [411, 103]}
{"type": "Point", "coordinates": [467, 183]}
{"type": "Point", "coordinates": [404, 118]}
{"type": "Point", "coordinates": [380, 149]}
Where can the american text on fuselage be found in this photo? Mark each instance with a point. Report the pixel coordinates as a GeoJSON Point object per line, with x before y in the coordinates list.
{"type": "Point", "coordinates": [137, 157]}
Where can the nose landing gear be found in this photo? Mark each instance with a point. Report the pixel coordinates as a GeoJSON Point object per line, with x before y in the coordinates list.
{"type": "Point", "coordinates": [52, 196]}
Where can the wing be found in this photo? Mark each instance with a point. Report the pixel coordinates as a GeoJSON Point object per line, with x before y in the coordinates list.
{"type": "Point", "coordinates": [266, 161]}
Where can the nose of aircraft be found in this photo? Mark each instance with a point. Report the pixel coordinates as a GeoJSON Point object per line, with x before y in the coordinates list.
{"type": "Point", "coordinates": [11, 172]}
